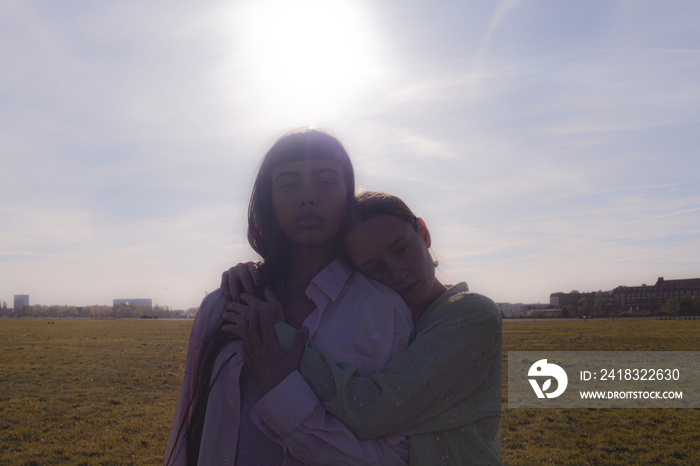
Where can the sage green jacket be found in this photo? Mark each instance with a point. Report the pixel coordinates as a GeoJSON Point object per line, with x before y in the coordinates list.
{"type": "Point", "coordinates": [444, 390]}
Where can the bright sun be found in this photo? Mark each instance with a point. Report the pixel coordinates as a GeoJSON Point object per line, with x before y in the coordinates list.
{"type": "Point", "coordinates": [309, 57]}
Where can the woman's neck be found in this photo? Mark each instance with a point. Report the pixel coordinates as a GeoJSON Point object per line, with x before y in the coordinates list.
{"type": "Point", "coordinates": [307, 262]}
{"type": "Point", "coordinates": [437, 290]}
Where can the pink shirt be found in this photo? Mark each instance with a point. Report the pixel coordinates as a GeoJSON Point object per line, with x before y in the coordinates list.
{"type": "Point", "coordinates": [356, 320]}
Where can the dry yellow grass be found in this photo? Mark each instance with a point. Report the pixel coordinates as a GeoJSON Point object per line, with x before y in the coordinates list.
{"type": "Point", "coordinates": [104, 392]}
{"type": "Point", "coordinates": [600, 436]}
{"type": "Point", "coordinates": [88, 391]}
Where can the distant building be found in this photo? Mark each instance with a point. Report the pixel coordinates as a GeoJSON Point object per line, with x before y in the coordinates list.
{"type": "Point", "coordinates": [510, 310]}
{"type": "Point", "coordinates": [653, 297]}
{"type": "Point", "coordinates": [21, 301]}
{"type": "Point", "coordinates": [635, 298]}
{"type": "Point", "coordinates": [513, 309]}
{"type": "Point", "coordinates": [144, 303]}
{"type": "Point", "coordinates": [574, 297]}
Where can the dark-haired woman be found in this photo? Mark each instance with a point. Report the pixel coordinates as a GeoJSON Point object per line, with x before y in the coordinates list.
{"type": "Point", "coordinates": [302, 194]}
{"type": "Point", "coordinates": [443, 391]}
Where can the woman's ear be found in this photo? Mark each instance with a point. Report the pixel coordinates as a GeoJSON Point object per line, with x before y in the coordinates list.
{"type": "Point", "coordinates": [423, 230]}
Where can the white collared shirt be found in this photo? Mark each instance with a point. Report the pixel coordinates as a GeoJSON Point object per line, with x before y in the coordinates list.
{"type": "Point", "coordinates": [356, 320]}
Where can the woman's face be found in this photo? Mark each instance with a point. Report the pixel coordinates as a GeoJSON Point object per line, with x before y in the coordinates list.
{"type": "Point", "coordinates": [388, 249]}
{"type": "Point", "coordinates": [309, 198]}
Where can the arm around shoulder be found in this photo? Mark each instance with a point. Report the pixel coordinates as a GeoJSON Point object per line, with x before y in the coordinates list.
{"type": "Point", "coordinates": [449, 376]}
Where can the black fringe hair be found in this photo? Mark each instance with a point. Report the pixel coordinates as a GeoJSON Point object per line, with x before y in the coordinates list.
{"type": "Point", "coordinates": [267, 239]}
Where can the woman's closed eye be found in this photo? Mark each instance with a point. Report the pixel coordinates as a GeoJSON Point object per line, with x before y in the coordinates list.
{"type": "Point", "coordinates": [401, 249]}
{"type": "Point", "coordinates": [326, 182]}
{"type": "Point", "coordinates": [287, 182]}
{"type": "Point", "coordinates": [288, 186]}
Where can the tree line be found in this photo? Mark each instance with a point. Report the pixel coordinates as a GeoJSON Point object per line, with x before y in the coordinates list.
{"type": "Point", "coordinates": [120, 311]}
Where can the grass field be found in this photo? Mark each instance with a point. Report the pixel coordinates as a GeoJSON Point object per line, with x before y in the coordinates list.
{"type": "Point", "coordinates": [600, 436]}
{"type": "Point", "coordinates": [104, 392]}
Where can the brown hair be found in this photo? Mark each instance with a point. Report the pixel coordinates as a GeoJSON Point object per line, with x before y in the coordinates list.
{"type": "Point", "coordinates": [370, 204]}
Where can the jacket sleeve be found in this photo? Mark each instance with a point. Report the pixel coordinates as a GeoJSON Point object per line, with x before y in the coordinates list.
{"type": "Point", "coordinates": [292, 414]}
{"type": "Point", "coordinates": [455, 357]}
{"type": "Point", "coordinates": [203, 323]}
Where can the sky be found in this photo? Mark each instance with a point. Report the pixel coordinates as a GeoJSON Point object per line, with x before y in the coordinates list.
{"type": "Point", "coordinates": [549, 146]}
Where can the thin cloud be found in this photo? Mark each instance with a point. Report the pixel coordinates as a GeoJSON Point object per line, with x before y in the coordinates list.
{"type": "Point", "coordinates": [502, 9]}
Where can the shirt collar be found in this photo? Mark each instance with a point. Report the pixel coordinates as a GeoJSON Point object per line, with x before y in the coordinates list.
{"type": "Point", "coordinates": [329, 281]}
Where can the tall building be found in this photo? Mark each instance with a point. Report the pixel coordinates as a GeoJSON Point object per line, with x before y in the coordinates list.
{"type": "Point", "coordinates": [21, 301]}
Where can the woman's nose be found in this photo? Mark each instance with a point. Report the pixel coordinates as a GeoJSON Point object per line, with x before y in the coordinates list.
{"type": "Point", "coordinates": [308, 200]}
{"type": "Point", "coordinates": [398, 273]}
{"type": "Point", "coordinates": [308, 196]}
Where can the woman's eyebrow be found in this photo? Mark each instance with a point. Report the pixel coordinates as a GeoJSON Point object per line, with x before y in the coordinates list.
{"type": "Point", "coordinates": [313, 172]}
{"type": "Point", "coordinates": [324, 170]}
{"type": "Point", "coordinates": [398, 240]}
{"type": "Point", "coordinates": [287, 173]}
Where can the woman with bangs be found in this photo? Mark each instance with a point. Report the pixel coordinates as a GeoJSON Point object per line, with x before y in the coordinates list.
{"type": "Point", "coordinates": [303, 194]}
{"type": "Point", "coordinates": [443, 391]}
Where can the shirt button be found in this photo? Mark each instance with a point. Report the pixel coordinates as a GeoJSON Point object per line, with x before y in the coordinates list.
{"type": "Point", "coordinates": [226, 458]}
{"type": "Point", "coordinates": [232, 404]}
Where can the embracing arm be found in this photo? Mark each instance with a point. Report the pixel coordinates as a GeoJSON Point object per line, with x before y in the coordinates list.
{"type": "Point", "coordinates": [290, 412]}
{"type": "Point", "coordinates": [449, 376]}
{"type": "Point", "coordinates": [316, 437]}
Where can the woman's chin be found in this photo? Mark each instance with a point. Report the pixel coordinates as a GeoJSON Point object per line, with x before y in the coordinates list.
{"type": "Point", "coordinates": [414, 301]}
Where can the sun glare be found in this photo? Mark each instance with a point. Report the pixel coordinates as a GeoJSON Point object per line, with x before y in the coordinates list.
{"type": "Point", "coordinates": [309, 58]}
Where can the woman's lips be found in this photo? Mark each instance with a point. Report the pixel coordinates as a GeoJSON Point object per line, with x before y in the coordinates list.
{"type": "Point", "coordinates": [309, 220]}
{"type": "Point", "coordinates": [409, 288]}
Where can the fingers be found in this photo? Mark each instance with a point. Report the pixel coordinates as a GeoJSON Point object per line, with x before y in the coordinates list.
{"type": "Point", "coordinates": [267, 331]}
{"type": "Point", "coordinates": [271, 297]}
{"type": "Point", "coordinates": [246, 280]}
{"type": "Point", "coordinates": [232, 329]}
{"type": "Point", "coordinates": [234, 283]}
{"type": "Point", "coordinates": [229, 283]}
{"type": "Point", "coordinates": [238, 308]}
{"type": "Point", "coordinates": [250, 299]}
{"type": "Point", "coordinates": [296, 351]}
{"type": "Point", "coordinates": [252, 268]}
{"type": "Point", "coordinates": [233, 318]}
{"type": "Point", "coordinates": [276, 311]}
{"type": "Point", "coordinates": [241, 278]}
{"type": "Point", "coordinates": [224, 285]}
{"type": "Point", "coordinates": [235, 311]}
{"type": "Point", "coordinates": [254, 337]}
